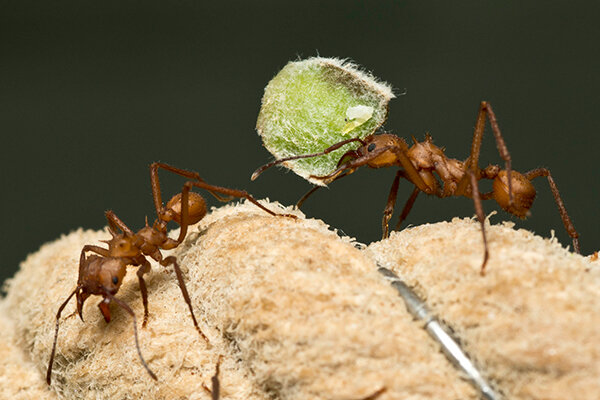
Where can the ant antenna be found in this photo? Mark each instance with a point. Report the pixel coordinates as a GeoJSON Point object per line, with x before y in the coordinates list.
{"type": "Point", "coordinates": [336, 146]}
{"type": "Point", "coordinates": [60, 309]}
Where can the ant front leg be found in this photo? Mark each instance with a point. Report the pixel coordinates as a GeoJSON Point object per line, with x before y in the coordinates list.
{"type": "Point", "coordinates": [171, 260]}
{"type": "Point", "coordinates": [407, 207]}
{"type": "Point", "coordinates": [568, 224]}
{"type": "Point", "coordinates": [388, 211]}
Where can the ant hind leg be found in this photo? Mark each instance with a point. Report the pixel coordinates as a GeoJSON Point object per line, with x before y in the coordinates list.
{"type": "Point", "coordinates": [568, 224]}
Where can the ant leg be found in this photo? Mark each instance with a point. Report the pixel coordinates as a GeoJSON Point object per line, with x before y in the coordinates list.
{"type": "Point", "coordinates": [96, 249]}
{"type": "Point", "coordinates": [561, 206]}
{"type": "Point", "coordinates": [314, 189]}
{"type": "Point", "coordinates": [60, 309]}
{"type": "Point", "coordinates": [238, 194]}
{"type": "Point", "coordinates": [375, 395]}
{"type": "Point", "coordinates": [352, 165]}
{"type": "Point", "coordinates": [143, 269]}
{"type": "Point", "coordinates": [388, 211]}
{"type": "Point", "coordinates": [115, 223]}
{"type": "Point", "coordinates": [485, 108]}
{"type": "Point", "coordinates": [328, 150]}
{"type": "Point", "coordinates": [306, 196]}
{"type": "Point", "coordinates": [215, 393]}
{"type": "Point", "coordinates": [155, 183]}
{"type": "Point", "coordinates": [410, 172]}
{"type": "Point", "coordinates": [480, 216]}
{"type": "Point", "coordinates": [124, 306]}
{"type": "Point", "coordinates": [408, 207]}
{"type": "Point", "coordinates": [171, 260]}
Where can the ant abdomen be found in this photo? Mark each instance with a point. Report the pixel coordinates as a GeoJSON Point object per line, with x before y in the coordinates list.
{"type": "Point", "coordinates": [522, 189]}
{"type": "Point", "coordinates": [196, 208]}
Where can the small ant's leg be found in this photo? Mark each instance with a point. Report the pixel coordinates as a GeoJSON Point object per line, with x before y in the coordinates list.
{"type": "Point", "coordinates": [328, 150]}
{"type": "Point", "coordinates": [143, 269]}
{"type": "Point", "coordinates": [155, 182]}
{"type": "Point", "coordinates": [569, 227]}
{"type": "Point", "coordinates": [124, 306]}
{"type": "Point", "coordinates": [215, 392]}
{"type": "Point", "coordinates": [407, 207]}
{"type": "Point", "coordinates": [388, 211]}
{"type": "Point", "coordinates": [238, 194]}
{"type": "Point", "coordinates": [375, 395]}
{"type": "Point", "coordinates": [171, 260]}
{"type": "Point", "coordinates": [96, 249]}
{"type": "Point", "coordinates": [115, 223]}
{"type": "Point", "coordinates": [60, 309]}
{"type": "Point", "coordinates": [480, 216]}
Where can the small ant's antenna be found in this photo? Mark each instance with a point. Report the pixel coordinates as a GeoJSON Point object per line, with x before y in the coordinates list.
{"type": "Point", "coordinates": [60, 309]}
{"type": "Point", "coordinates": [124, 305]}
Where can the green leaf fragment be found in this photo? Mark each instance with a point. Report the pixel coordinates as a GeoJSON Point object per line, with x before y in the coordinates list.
{"type": "Point", "coordinates": [311, 104]}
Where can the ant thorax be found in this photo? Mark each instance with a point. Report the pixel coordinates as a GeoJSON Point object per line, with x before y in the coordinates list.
{"type": "Point", "coordinates": [427, 156]}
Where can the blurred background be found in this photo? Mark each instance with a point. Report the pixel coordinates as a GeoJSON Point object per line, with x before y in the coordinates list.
{"type": "Point", "coordinates": [91, 94]}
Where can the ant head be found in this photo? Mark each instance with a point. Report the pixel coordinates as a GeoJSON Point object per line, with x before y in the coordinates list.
{"type": "Point", "coordinates": [373, 147]}
{"type": "Point", "coordinates": [522, 189]}
{"type": "Point", "coordinates": [100, 276]}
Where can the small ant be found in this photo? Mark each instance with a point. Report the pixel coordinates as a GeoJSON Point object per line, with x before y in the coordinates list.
{"type": "Point", "coordinates": [512, 190]}
{"type": "Point", "coordinates": [102, 273]}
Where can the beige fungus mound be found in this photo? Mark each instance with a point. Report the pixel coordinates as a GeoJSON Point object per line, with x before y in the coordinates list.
{"type": "Point", "coordinates": [296, 312]}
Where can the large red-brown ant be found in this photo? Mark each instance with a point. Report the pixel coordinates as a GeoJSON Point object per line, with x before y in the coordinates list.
{"type": "Point", "coordinates": [102, 273]}
{"type": "Point", "coordinates": [512, 190]}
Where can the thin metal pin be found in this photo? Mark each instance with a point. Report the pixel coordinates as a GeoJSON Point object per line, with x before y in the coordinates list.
{"type": "Point", "coordinates": [437, 331]}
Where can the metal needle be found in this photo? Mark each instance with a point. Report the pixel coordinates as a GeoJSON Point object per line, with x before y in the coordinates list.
{"type": "Point", "coordinates": [436, 330]}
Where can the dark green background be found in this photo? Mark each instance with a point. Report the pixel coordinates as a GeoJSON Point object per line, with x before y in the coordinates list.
{"type": "Point", "coordinates": [90, 94]}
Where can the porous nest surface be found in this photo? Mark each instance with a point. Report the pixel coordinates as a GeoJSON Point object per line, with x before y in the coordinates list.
{"type": "Point", "coordinates": [296, 312]}
{"type": "Point", "coordinates": [531, 322]}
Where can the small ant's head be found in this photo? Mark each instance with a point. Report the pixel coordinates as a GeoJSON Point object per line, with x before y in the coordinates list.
{"type": "Point", "coordinates": [110, 276]}
{"type": "Point", "coordinates": [374, 146]}
{"type": "Point", "coordinates": [522, 190]}
{"type": "Point", "coordinates": [102, 275]}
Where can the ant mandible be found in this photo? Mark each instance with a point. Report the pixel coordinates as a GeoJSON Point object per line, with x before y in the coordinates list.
{"type": "Point", "coordinates": [102, 273]}
{"type": "Point", "coordinates": [512, 190]}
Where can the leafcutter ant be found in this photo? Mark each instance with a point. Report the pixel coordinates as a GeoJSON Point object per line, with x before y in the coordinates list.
{"type": "Point", "coordinates": [420, 164]}
{"type": "Point", "coordinates": [102, 273]}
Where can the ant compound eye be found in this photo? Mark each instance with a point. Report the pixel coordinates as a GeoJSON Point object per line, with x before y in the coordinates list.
{"type": "Point", "coordinates": [371, 147]}
{"type": "Point", "coordinates": [115, 280]}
